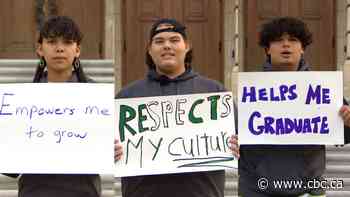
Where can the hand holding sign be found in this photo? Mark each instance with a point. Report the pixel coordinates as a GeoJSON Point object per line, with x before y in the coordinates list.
{"type": "Point", "coordinates": [234, 145]}
{"type": "Point", "coordinates": [118, 150]}
{"type": "Point", "coordinates": [345, 114]}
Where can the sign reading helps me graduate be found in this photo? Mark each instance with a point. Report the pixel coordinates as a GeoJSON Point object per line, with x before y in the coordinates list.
{"type": "Point", "coordinates": [290, 108]}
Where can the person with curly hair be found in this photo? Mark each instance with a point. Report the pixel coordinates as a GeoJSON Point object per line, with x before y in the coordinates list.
{"type": "Point", "coordinates": [284, 40]}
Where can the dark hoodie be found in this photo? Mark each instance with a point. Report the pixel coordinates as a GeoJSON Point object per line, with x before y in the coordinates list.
{"type": "Point", "coordinates": [281, 162]}
{"type": "Point", "coordinates": [196, 184]}
{"type": "Point", "coordinates": [59, 185]}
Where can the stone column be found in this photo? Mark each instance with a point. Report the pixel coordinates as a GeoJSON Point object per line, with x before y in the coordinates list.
{"type": "Point", "coordinates": [229, 41]}
{"type": "Point", "coordinates": [109, 31]}
{"type": "Point", "coordinates": [346, 68]}
{"type": "Point", "coordinates": [118, 45]}
{"type": "Point", "coordinates": [232, 37]}
{"type": "Point", "coordinates": [348, 30]}
{"type": "Point", "coordinates": [238, 49]}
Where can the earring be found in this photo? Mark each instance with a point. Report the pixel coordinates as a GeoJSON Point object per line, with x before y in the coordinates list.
{"type": "Point", "coordinates": [42, 63]}
{"type": "Point", "coordinates": [76, 63]}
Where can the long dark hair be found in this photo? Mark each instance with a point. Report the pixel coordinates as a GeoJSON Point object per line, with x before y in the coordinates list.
{"type": "Point", "coordinates": [65, 27]}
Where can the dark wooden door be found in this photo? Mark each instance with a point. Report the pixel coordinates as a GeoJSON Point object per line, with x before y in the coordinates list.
{"type": "Point", "coordinates": [204, 26]}
{"type": "Point", "coordinates": [317, 14]}
{"type": "Point", "coordinates": [20, 21]}
{"type": "Point", "coordinates": [18, 30]}
{"type": "Point", "coordinates": [89, 14]}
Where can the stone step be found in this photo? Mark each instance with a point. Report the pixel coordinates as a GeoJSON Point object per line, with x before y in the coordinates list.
{"type": "Point", "coordinates": [31, 63]}
{"type": "Point", "coordinates": [342, 158]}
{"type": "Point", "coordinates": [338, 157]}
{"type": "Point", "coordinates": [338, 169]}
{"type": "Point", "coordinates": [30, 71]}
{"type": "Point", "coordinates": [338, 193]}
{"type": "Point", "coordinates": [231, 174]}
{"type": "Point", "coordinates": [338, 149]}
{"type": "Point", "coordinates": [231, 188]}
{"type": "Point", "coordinates": [22, 70]}
{"type": "Point", "coordinates": [26, 79]}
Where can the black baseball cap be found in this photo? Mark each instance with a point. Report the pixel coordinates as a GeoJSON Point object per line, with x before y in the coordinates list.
{"type": "Point", "coordinates": [175, 26]}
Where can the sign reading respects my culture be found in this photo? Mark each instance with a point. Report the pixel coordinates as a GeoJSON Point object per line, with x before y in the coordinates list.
{"type": "Point", "coordinates": [171, 134]}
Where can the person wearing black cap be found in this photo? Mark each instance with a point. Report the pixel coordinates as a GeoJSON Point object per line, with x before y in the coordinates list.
{"type": "Point", "coordinates": [169, 58]}
{"type": "Point", "coordinates": [284, 41]}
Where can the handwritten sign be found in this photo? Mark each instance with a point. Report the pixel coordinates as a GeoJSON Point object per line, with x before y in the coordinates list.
{"type": "Point", "coordinates": [290, 108]}
{"type": "Point", "coordinates": [172, 134]}
{"type": "Point", "coordinates": [57, 128]}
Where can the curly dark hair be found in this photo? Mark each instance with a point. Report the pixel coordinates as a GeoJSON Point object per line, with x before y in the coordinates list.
{"type": "Point", "coordinates": [275, 28]}
{"type": "Point", "coordinates": [60, 26]}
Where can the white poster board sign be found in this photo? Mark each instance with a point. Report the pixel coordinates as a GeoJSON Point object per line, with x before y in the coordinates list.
{"type": "Point", "coordinates": [57, 128]}
{"type": "Point", "coordinates": [172, 134]}
{"type": "Point", "coordinates": [290, 108]}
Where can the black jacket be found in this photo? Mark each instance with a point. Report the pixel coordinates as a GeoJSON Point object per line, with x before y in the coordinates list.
{"type": "Point", "coordinates": [196, 184]}
{"type": "Point", "coordinates": [281, 162]}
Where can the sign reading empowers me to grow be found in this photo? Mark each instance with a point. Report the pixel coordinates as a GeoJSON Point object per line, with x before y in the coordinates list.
{"type": "Point", "coordinates": [290, 108]}
{"type": "Point", "coordinates": [171, 134]}
{"type": "Point", "coordinates": [57, 128]}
